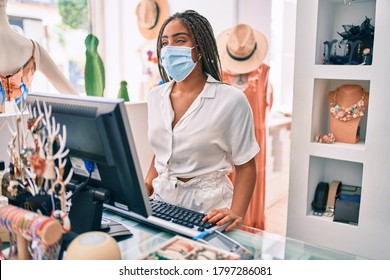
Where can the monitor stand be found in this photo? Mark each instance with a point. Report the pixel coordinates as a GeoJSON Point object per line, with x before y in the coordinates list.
{"type": "Point", "coordinates": [86, 214]}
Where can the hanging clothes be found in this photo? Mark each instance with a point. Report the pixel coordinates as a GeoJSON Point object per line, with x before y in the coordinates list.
{"type": "Point", "coordinates": [259, 93]}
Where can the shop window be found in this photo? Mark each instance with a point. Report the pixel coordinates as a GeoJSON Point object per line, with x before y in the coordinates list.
{"type": "Point", "coordinates": [59, 26]}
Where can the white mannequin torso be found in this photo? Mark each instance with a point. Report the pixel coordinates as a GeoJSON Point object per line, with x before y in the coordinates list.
{"type": "Point", "coordinates": [16, 50]}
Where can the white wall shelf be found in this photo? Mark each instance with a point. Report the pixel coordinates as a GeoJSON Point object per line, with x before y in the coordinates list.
{"type": "Point", "coordinates": [364, 164]}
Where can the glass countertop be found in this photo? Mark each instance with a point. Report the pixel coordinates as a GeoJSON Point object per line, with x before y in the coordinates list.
{"type": "Point", "coordinates": [263, 245]}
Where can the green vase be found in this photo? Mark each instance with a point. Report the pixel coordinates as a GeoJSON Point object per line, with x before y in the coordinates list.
{"type": "Point", "coordinates": [94, 69]}
{"type": "Point", "coordinates": [123, 93]}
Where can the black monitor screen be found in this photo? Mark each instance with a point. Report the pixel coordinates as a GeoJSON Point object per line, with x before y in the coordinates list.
{"type": "Point", "coordinates": [98, 133]}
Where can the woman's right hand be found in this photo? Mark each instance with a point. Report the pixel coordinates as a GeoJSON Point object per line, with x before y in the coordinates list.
{"type": "Point", "coordinates": [224, 216]}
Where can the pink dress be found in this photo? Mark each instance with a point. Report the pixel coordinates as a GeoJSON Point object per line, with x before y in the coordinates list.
{"type": "Point", "coordinates": [259, 95]}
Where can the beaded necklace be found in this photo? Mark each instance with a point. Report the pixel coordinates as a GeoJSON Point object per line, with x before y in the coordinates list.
{"type": "Point", "coordinates": [348, 113]}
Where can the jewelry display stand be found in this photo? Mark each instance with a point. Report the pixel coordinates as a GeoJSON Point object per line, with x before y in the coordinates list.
{"type": "Point", "coordinates": [328, 46]}
{"type": "Point", "coordinates": [346, 96]}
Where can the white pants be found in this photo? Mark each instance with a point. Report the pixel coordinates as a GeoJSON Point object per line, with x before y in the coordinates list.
{"type": "Point", "coordinates": [202, 193]}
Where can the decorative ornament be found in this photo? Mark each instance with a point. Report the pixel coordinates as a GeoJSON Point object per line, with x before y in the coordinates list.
{"type": "Point", "coordinates": [151, 57]}
{"type": "Point", "coordinates": [123, 92]}
{"type": "Point", "coordinates": [325, 138]}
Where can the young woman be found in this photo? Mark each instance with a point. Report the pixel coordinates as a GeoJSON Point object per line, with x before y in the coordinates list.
{"type": "Point", "coordinates": [200, 129]}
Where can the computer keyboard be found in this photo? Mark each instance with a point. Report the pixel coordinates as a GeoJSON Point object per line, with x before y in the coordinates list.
{"type": "Point", "coordinates": [179, 215]}
{"type": "Point", "coordinates": [178, 220]}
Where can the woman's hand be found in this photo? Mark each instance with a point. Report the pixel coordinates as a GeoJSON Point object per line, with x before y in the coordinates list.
{"type": "Point", "coordinates": [223, 216]}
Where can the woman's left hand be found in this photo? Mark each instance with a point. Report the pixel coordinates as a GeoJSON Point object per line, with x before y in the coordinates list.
{"type": "Point", "coordinates": [223, 216]}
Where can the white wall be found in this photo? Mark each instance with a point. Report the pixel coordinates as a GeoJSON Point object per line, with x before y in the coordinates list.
{"type": "Point", "coordinates": [257, 14]}
{"type": "Point", "coordinates": [122, 39]}
{"type": "Point", "coordinates": [116, 26]}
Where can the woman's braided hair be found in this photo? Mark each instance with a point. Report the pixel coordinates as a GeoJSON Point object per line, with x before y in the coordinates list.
{"type": "Point", "coordinates": [205, 44]}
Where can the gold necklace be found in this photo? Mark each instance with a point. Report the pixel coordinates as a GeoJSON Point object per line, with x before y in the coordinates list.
{"type": "Point", "coordinates": [347, 113]}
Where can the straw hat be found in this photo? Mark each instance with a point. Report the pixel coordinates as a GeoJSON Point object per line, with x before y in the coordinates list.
{"type": "Point", "coordinates": [241, 49]}
{"type": "Point", "coordinates": [150, 16]}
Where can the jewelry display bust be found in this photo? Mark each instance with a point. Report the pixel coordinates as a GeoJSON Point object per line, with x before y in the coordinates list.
{"type": "Point", "coordinates": [347, 105]}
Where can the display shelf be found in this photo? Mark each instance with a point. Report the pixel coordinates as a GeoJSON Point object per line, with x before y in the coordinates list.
{"type": "Point", "coordinates": [333, 15]}
{"type": "Point", "coordinates": [363, 164]}
{"type": "Point", "coordinates": [320, 111]}
{"type": "Point", "coordinates": [339, 151]}
{"type": "Point", "coordinates": [329, 224]}
{"type": "Point", "coordinates": [345, 72]}
{"type": "Point", "coordinates": [327, 170]}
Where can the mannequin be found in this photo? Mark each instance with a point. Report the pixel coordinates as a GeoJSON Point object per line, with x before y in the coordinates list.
{"type": "Point", "coordinates": [242, 51]}
{"type": "Point", "coordinates": [344, 126]}
{"type": "Point", "coordinates": [16, 50]}
{"type": "Point", "coordinates": [259, 93]}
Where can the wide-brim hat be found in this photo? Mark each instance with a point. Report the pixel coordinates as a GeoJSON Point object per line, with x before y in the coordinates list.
{"type": "Point", "coordinates": [241, 49]}
{"type": "Point", "coordinates": [151, 14]}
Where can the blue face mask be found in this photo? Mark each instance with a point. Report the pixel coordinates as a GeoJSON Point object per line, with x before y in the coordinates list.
{"type": "Point", "coordinates": [177, 62]}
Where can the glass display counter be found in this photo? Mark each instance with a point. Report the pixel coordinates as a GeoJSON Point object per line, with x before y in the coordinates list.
{"type": "Point", "coordinates": [263, 245]}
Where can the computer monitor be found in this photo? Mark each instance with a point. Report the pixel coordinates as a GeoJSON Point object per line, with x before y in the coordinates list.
{"type": "Point", "coordinates": [98, 133]}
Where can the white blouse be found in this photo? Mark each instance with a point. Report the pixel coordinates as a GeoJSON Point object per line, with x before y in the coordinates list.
{"type": "Point", "coordinates": [216, 132]}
